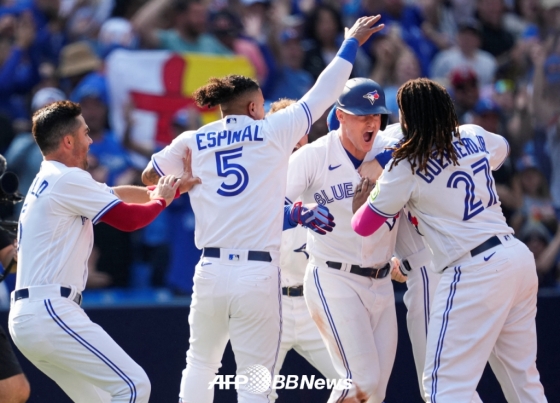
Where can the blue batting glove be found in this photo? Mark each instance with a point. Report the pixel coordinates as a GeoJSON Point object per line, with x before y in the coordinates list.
{"type": "Point", "coordinates": [315, 217]}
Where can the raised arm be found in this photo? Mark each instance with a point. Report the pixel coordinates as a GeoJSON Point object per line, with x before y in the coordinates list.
{"type": "Point", "coordinates": [147, 20]}
{"type": "Point", "coordinates": [331, 82]}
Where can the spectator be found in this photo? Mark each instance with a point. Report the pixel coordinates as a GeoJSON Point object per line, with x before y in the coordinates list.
{"type": "Point", "coordinates": [546, 107]}
{"type": "Point", "coordinates": [323, 32]}
{"type": "Point", "coordinates": [533, 195]}
{"type": "Point", "coordinates": [226, 27]}
{"type": "Point", "coordinates": [407, 68]}
{"type": "Point", "coordinates": [464, 84]}
{"type": "Point", "coordinates": [385, 48]}
{"type": "Point", "coordinates": [116, 33]}
{"type": "Point", "coordinates": [467, 53]}
{"type": "Point", "coordinates": [291, 81]}
{"type": "Point", "coordinates": [23, 155]}
{"type": "Point", "coordinates": [545, 248]}
{"type": "Point", "coordinates": [526, 19]}
{"type": "Point", "coordinates": [77, 60]}
{"type": "Point", "coordinates": [496, 40]}
{"type": "Point", "coordinates": [111, 164]}
{"type": "Point", "coordinates": [108, 161]}
{"type": "Point", "coordinates": [188, 33]}
{"type": "Point", "coordinates": [551, 16]}
{"type": "Point", "coordinates": [408, 18]}
{"type": "Point", "coordinates": [50, 28]}
{"type": "Point", "coordinates": [19, 66]}
{"type": "Point", "coordinates": [486, 114]}
{"type": "Point", "coordinates": [439, 26]}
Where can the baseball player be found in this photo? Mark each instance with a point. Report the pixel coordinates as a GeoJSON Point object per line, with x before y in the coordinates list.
{"type": "Point", "coordinates": [242, 161]}
{"type": "Point", "coordinates": [486, 298]}
{"type": "Point", "coordinates": [55, 238]}
{"type": "Point", "coordinates": [347, 286]}
{"type": "Point", "coordinates": [416, 266]}
{"type": "Point", "coordinates": [298, 330]}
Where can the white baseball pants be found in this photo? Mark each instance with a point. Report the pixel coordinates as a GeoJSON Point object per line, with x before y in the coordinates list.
{"type": "Point", "coordinates": [484, 310]}
{"type": "Point", "coordinates": [237, 301]}
{"type": "Point", "coordinates": [356, 318]}
{"type": "Point", "coordinates": [300, 333]}
{"type": "Point", "coordinates": [57, 336]}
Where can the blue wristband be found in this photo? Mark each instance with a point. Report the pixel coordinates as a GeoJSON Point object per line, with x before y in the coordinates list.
{"type": "Point", "coordinates": [349, 49]}
{"type": "Point", "coordinates": [288, 222]}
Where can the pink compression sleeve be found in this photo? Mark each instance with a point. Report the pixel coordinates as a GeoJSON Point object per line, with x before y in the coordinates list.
{"type": "Point", "coordinates": [366, 221]}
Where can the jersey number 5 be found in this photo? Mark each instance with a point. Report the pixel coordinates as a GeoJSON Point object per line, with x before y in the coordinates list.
{"type": "Point", "coordinates": [226, 168]}
{"type": "Point", "coordinates": [473, 208]}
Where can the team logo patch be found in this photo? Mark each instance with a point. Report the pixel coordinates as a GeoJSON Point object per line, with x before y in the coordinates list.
{"type": "Point", "coordinates": [414, 221]}
{"type": "Point", "coordinates": [372, 96]}
{"type": "Point", "coordinates": [374, 193]}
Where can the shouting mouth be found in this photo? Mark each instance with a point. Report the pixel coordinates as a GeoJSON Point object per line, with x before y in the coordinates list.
{"type": "Point", "coordinates": [368, 137]}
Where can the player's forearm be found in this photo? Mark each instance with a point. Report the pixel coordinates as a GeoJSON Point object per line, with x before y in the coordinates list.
{"type": "Point", "coordinates": [130, 217]}
{"type": "Point", "coordinates": [331, 82]}
{"type": "Point", "coordinates": [132, 194]}
{"type": "Point", "coordinates": [147, 18]}
{"type": "Point", "coordinates": [366, 221]}
{"type": "Point", "coordinates": [6, 255]}
{"type": "Point", "coordinates": [150, 176]}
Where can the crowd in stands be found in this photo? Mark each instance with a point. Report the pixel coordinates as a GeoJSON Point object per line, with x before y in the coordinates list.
{"type": "Point", "coordinates": [499, 59]}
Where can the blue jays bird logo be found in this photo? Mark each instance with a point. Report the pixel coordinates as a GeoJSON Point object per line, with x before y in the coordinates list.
{"type": "Point", "coordinates": [372, 96]}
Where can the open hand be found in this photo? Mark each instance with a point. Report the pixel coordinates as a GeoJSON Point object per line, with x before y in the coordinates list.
{"type": "Point", "coordinates": [165, 189]}
{"type": "Point", "coordinates": [361, 193]}
{"type": "Point", "coordinates": [188, 181]}
{"type": "Point", "coordinates": [363, 28]}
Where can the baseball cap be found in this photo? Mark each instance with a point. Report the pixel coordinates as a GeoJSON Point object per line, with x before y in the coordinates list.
{"type": "Point", "coordinates": [45, 96]}
{"type": "Point", "coordinates": [462, 75]}
{"type": "Point", "coordinates": [116, 33]}
{"type": "Point", "coordinates": [527, 161]}
{"type": "Point", "coordinates": [93, 85]}
{"type": "Point", "coordinates": [486, 105]}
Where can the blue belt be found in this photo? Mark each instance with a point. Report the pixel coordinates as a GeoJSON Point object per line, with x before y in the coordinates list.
{"type": "Point", "coordinates": [252, 255]}
{"type": "Point", "coordinates": [64, 292]}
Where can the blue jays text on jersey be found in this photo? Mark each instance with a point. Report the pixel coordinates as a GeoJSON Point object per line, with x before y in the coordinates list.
{"type": "Point", "coordinates": [336, 192]}
{"type": "Point", "coordinates": [227, 137]}
{"type": "Point", "coordinates": [464, 147]}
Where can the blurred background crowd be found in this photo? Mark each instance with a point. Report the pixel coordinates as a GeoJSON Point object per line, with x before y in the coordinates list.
{"type": "Point", "coordinates": [499, 59]}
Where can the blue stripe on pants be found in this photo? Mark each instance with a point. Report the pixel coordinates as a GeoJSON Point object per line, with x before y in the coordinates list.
{"type": "Point", "coordinates": [439, 349]}
{"type": "Point", "coordinates": [96, 352]}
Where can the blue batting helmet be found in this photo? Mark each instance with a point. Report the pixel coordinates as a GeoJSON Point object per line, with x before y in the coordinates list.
{"type": "Point", "coordinates": [363, 96]}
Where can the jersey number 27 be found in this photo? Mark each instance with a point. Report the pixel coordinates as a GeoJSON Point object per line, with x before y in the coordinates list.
{"type": "Point", "coordinates": [473, 208]}
{"type": "Point", "coordinates": [226, 168]}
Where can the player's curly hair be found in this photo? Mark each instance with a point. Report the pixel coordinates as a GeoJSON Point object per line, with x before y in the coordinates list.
{"type": "Point", "coordinates": [53, 122]}
{"type": "Point", "coordinates": [223, 90]}
{"type": "Point", "coordinates": [429, 124]}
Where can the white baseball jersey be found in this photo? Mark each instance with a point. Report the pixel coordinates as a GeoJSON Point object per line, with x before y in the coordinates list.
{"type": "Point", "coordinates": [55, 234]}
{"type": "Point", "coordinates": [242, 164]}
{"type": "Point", "coordinates": [293, 256]}
{"type": "Point", "coordinates": [323, 173]}
{"type": "Point", "coordinates": [468, 210]}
